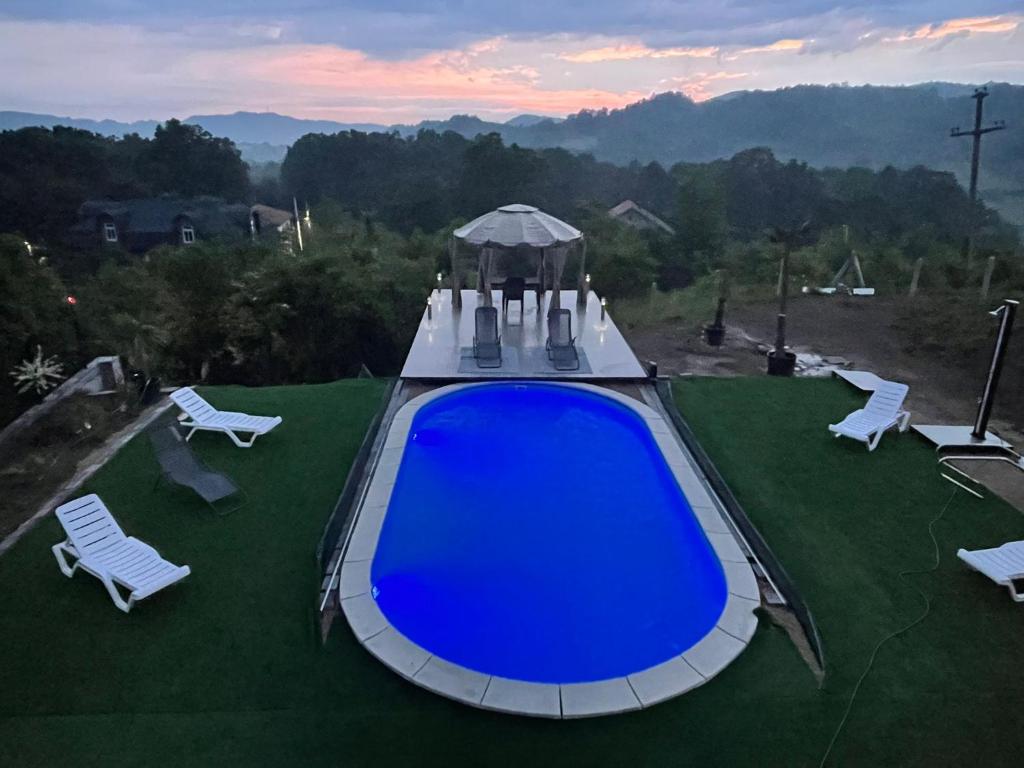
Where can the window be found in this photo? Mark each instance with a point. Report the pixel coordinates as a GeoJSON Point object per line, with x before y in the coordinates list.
{"type": "Point", "coordinates": [109, 232]}
{"type": "Point", "coordinates": [188, 234]}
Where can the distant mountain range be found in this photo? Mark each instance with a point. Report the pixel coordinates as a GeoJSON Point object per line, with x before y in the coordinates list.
{"type": "Point", "coordinates": [842, 126]}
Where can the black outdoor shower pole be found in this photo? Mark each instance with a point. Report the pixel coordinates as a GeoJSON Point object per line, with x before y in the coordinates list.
{"type": "Point", "coordinates": [1006, 314]}
{"type": "Point", "coordinates": [780, 328]}
{"type": "Point", "coordinates": [780, 361]}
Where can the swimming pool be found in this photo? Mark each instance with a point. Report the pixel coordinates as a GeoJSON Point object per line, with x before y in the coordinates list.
{"type": "Point", "coordinates": [538, 535]}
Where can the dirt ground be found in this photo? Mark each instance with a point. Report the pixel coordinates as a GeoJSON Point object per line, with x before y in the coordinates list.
{"type": "Point", "coordinates": [863, 332]}
{"type": "Point", "coordinates": [36, 463]}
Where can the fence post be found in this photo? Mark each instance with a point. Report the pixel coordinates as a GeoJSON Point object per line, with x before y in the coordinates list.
{"type": "Point", "coordinates": [917, 276]}
{"type": "Point", "coordinates": [986, 281]}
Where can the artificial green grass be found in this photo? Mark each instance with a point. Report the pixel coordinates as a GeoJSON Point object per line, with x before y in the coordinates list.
{"type": "Point", "coordinates": [225, 669]}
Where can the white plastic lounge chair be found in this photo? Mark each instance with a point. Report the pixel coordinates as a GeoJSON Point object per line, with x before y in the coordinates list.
{"type": "Point", "coordinates": [101, 548]}
{"type": "Point", "coordinates": [883, 410]}
{"type": "Point", "coordinates": [1004, 565]}
{"type": "Point", "coordinates": [199, 414]}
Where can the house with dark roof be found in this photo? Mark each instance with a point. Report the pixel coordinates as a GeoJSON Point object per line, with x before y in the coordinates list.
{"type": "Point", "coordinates": [638, 217]}
{"type": "Point", "coordinates": [141, 224]}
{"type": "Point", "coordinates": [264, 219]}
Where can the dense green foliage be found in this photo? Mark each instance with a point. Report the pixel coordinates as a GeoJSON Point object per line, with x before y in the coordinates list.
{"type": "Point", "coordinates": [825, 126]}
{"type": "Point", "coordinates": [384, 207]}
{"type": "Point", "coordinates": [226, 668]}
{"type": "Point", "coordinates": [430, 179]}
{"type": "Point", "coordinates": [33, 312]}
{"type": "Point", "coordinates": [245, 313]}
{"type": "Point", "coordinates": [45, 175]}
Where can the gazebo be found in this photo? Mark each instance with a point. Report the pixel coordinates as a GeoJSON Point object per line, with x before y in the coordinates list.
{"type": "Point", "coordinates": [519, 233]}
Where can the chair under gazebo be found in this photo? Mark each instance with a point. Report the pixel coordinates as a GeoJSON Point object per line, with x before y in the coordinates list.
{"type": "Point", "coordinates": [517, 238]}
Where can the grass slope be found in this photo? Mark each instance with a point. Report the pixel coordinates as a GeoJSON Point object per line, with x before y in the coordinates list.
{"type": "Point", "coordinates": [225, 670]}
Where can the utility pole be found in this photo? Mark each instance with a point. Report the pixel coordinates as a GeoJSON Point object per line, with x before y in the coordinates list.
{"type": "Point", "coordinates": [979, 97]}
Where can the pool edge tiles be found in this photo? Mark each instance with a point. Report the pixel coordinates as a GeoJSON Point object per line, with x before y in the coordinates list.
{"type": "Point", "coordinates": [703, 660]}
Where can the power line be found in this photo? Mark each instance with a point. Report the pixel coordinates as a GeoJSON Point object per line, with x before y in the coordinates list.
{"type": "Point", "coordinates": [980, 94]}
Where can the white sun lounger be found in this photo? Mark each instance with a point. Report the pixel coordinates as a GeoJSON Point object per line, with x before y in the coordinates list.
{"type": "Point", "coordinates": [883, 410]}
{"type": "Point", "coordinates": [199, 414]}
{"type": "Point", "coordinates": [100, 547]}
{"type": "Point", "coordinates": [1003, 565]}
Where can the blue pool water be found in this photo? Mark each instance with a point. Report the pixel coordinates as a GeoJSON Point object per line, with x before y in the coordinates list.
{"type": "Point", "coordinates": [535, 532]}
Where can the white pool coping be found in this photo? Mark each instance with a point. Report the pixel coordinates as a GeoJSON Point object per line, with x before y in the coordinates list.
{"type": "Point", "coordinates": [644, 688]}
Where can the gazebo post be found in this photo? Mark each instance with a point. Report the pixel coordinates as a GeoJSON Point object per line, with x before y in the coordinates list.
{"type": "Point", "coordinates": [540, 281]}
{"type": "Point", "coordinates": [483, 274]}
{"type": "Point", "coordinates": [456, 283]}
{"type": "Point", "coordinates": [582, 287]}
{"type": "Point", "coordinates": [560, 253]}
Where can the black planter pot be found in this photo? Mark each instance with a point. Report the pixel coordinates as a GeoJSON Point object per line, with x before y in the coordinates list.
{"type": "Point", "coordinates": [781, 365]}
{"type": "Point", "coordinates": [714, 335]}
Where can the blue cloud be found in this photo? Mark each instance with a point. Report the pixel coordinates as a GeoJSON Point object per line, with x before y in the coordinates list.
{"type": "Point", "coordinates": [396, 28]}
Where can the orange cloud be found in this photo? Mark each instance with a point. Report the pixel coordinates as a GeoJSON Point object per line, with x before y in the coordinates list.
{"type": "Point", "coordinates": [981, 24]}
{"type": "Point", "coordinates": [323, 74]}
{"type": "Point", "coordinates": [632, 51]}
{"type": "Point", "coordinates": [778, 45]}
{"type": "Point", "coordinates": [697, 87]}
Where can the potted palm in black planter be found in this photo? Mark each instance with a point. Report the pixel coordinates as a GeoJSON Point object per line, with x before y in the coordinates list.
{"type": "Point", "coordinates": [714, 333]}
{"type": "Point", "coordinates": [782, 362]}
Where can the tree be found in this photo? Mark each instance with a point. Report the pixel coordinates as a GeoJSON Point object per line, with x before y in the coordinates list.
{"type": "Point", "coordinates": [185, 159]}
{"type": "Point", "coordinates": [656, 190]}
{"type": "Point", "coordinates": [33, 312]}
{"type": "Point", "coordinates": [618, 257]}
{"type": "Point", "coordinates": [702, 224]}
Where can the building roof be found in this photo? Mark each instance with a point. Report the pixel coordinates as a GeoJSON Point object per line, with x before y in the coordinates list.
{"type": "Point", "coordinates": [629, 207]}
{"type": "Point", "coordinates": [272, 217]}
{"type": "Point", "coordinates": [153, 215]}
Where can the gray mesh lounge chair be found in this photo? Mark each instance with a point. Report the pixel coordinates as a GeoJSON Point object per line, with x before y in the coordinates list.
{"type": "Point", "coordinates": [513, 290]}
{"type": "Point", "coordinates": [180, 466]}
{"type": "Point", "coordinates": [486, 341]}
{"type": "Point", "coordinates": [561, 345]}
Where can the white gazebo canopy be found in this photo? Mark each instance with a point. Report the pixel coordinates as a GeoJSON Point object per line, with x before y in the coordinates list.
{"type": "Point", "coordinates": [515, 227]}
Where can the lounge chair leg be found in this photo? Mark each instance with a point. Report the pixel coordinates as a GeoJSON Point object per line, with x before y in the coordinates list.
{"type": "Point", "coordinates": [116, 596]}
{"type": "Point", "coordinates": [875, 439]}
{"type": "Point", "coordinates": [62, 563]}
{"type": "Point", "coordinates": [905, 421]}
{"type": "Point", "coordinates": [192, 432]}
{"type": "Point", "coordinates": [239, 442]}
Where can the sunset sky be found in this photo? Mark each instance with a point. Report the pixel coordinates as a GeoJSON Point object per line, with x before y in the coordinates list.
{"type": "Point", "coordinates": [391, 61]}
